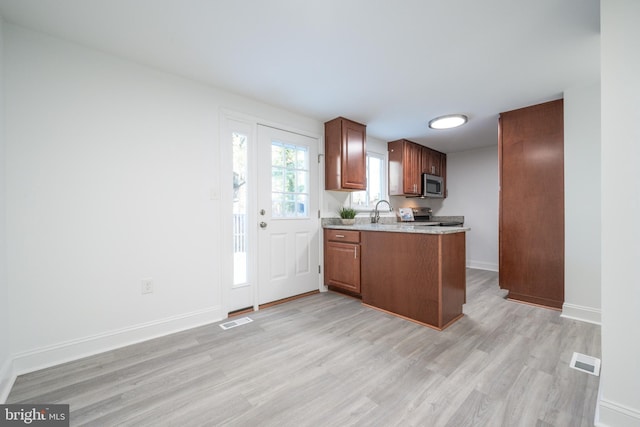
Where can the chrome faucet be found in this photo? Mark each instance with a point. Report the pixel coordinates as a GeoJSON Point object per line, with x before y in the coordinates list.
{"type": "Point", "coordinates": [376, 215]}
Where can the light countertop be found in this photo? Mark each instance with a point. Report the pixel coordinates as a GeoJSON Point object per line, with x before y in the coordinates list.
{"type": "Point", "coordinates": [423, 228]}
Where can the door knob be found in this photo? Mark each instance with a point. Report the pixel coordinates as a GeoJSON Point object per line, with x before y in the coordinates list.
{"type": "Point", "coordinates": [262, 212]}
{"type": "Point", "coordinates": [263, 224]}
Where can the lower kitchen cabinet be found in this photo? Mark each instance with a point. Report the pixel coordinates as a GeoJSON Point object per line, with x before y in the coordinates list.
{"type": "Point", "coordinates": [420, 277]}
{"type": "Point", "coordinates": [342, 259]}
{"type": "Point", "coordinates": [417, 276]}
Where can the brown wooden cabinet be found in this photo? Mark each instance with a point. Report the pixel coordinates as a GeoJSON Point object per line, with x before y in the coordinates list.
{"type": "Point", "coordinates": [404, 168]}
{"type": "Point", "coordinates": [531, 254]}
{"type": "Point", "coordinates": [421, 277]}
{"type": "Point", "coordinates": [432, 162]}
{"type": "Point", "coordinates": [345, 155]}
{"type": "Point", "coordinates": [407, 162]}
{"type": "Point", "coordinates": [425, 160]}
{"type": "Point", "coordinates": [342, 259]}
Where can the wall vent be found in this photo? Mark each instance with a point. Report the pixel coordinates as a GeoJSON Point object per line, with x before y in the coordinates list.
{"type": "Point", "coordinates": [236, 322]}
{"type": "Point", "coordinates": [584, 363]}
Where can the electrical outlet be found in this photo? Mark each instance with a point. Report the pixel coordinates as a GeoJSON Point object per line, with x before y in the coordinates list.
{"type": "Point", "coordinates": [147, 286]}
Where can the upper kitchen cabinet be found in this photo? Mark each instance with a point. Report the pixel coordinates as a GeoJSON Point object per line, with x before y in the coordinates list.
{"type": "Point", "coordinates": [407, 162]}
{"type": "Point", "coordinates": [345, 155]}
{"type": "Point", "coordinates": [432, 161]}
{"type": "Point", "coordinates": [531, 242]}
{"type": "Point", "coordinates": [404, 168]}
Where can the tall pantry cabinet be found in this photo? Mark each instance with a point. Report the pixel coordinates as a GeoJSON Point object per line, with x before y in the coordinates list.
{"type": "Point", "coordinates": [531, 157]}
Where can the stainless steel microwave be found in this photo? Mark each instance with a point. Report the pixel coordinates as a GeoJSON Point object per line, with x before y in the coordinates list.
{"type": "Point", "coordinates": [432, 186]}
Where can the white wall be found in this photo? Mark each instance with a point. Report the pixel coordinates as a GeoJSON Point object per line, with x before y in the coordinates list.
{"type": "Point", "coordinates": [582, 203]}
{"type": "Point", "coordinates": [110, 170]}
{"type": "Point", "coordinates": [619, 403]}
{"type": "Point", "coordinates": [5, 338]}
{"type": "Point", "coordinates": [473, 186]}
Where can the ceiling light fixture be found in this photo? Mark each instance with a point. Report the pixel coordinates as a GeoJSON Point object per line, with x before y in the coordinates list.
{"type": "Point", "coordinates": [448, 121]}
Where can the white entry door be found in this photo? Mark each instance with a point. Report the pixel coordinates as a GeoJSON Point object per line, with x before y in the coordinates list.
{"type": "Point", "coordinates": [288, 245]}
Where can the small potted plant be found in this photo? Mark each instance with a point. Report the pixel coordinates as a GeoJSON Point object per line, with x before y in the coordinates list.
{"type": "Point", "coordinates": [347, 215]}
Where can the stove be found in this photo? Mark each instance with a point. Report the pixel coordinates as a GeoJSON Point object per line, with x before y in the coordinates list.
{"type": "Point", "coordinates": [423, 216]}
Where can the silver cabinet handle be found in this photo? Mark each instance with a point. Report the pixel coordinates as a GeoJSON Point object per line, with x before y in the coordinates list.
{"type": "Point", "coordinates": [355, 252]}
{"type": "Point", "coordinates": [339, 235]}
{"type": "Point", "coordinates": [263, 224]}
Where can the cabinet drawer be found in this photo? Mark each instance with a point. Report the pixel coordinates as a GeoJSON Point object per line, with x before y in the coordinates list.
{"type": "Point", "coordinates": [343, 236]}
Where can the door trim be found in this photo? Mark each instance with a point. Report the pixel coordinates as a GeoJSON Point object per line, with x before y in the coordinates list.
{"type": "Point", "coordinates": [224, 186]}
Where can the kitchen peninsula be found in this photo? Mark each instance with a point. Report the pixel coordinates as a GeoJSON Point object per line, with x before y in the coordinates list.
{"type": "Point", "coordinates": [414, 271]}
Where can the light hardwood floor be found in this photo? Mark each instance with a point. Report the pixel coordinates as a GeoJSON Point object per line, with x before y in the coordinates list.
{"type": "Point", "coordinates": [325, 360]}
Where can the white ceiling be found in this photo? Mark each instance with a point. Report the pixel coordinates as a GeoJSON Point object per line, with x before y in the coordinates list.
{"type": "Point", "coordinates": [392, 65]}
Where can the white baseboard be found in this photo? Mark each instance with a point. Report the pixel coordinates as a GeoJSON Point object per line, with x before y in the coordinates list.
{"type": "Point", "coordinates": [611, 414]}
{"type": "Point", "coordinates": [584, 314]}
{"type": "Point", "coordinates": [7, 378]}
{"type": "Point", "coordinates": [481, 265]}
{"type": "Point", "coordinates": [63, 352]}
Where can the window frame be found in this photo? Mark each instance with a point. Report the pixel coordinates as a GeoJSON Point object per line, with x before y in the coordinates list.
{"type": "Point", "coordinates": [384, 177]}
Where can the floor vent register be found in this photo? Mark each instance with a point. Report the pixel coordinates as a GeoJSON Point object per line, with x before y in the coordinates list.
{"type": "Point", "coordinates": [236, 322]}
{"type": "Point", "coordinates": [584, 363]}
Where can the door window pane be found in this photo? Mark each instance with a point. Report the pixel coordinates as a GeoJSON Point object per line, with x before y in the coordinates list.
{"type": "Point", "coordinates": [290, 156]}
{"type": "Point", "coordinates": [289, 205]}
{"type": "Point", "coordinates": [277, 202]}
{"type": "Point", "coordinates": [277, 180]}
{"type": "Point", "coordinates": [289, 181]}
{"type": "Point", "coordinates": [277, 155]}
{"type": "Point", "coordinates": [239, 142]}
{"type": "Point", "coordinates": [302, 180]}
{"type": "Point", "coordinates": [302, 201]}
{"type": "Point", "coordinates": [302, 159]}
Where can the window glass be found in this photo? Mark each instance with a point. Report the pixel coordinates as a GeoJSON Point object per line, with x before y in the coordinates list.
{"type": "Point", "coordinates": [239, 142]}
{"type": "Point", "coordinates": [376, 183]}
{"type": "Point", "coordinates": [289, 181]}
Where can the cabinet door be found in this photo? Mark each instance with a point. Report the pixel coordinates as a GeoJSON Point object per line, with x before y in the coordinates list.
{"type": "Point", "coordinates": [342, 265]}
{"type": "Point", "coordinates": [411, 175]}
{"type": "Point", "coordinates": [406, 163]}
{"type": "Point", "coordinates": [425, 160]}
{"type": "Point", "coordinates": [354, 156]}
{"type": "Point", "coordinates": [345, 155]}
{"type": "Point", "coordinates": [435, 163]}
{"type": "Point", "coordinates": [396, 168]}
{"type": "Point", "coordinates": [431, 162]}
{"type": "Point", "coordinates": [531, 242]}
